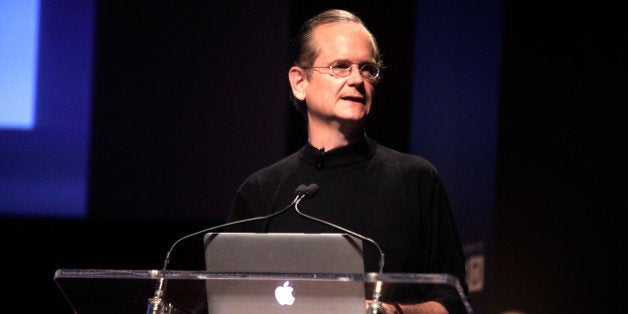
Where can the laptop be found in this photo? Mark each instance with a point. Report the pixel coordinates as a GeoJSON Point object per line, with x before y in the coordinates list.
{"type": "Point", "coordinates": [284, 253]}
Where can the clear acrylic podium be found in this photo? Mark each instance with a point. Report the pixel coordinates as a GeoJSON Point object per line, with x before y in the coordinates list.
{"type": "Point", "coordinates": [90, 291]}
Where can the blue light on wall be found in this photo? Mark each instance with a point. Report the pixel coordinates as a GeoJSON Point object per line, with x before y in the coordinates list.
{"type": "Point", "coordinates": [44, 165]}
{"type": "Point", "coordinates": [19, 22]}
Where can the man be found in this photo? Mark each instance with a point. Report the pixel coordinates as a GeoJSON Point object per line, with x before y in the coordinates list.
{"type": "Point", "coordinates": [396, 199]}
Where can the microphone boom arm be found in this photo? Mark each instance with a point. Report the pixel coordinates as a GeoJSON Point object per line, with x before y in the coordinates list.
{"type": "Point", "coordinates": [156, 303]}
{"type": "Point", "coordinates": [355, 234]}
{"type": "Point", "coordinates": [296, 200]}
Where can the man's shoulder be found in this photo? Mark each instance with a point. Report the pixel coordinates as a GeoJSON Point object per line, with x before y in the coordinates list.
{"type": "Point", "coordinates": [276, 170]}
{"type": "Point", "coordinates": [401, 159]}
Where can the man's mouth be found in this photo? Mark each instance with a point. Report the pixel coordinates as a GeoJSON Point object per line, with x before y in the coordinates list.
{"type": "Point", "coordinates": [353, 98]}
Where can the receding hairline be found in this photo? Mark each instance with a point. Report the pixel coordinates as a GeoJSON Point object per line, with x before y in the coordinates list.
{"type": "Point", "coordinates": [316, 33]}
{"type": "Point", "coordinates": [304, 41]}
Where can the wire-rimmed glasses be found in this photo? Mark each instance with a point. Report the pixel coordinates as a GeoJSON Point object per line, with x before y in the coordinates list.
{"type": "Point", "coordinates": [369, 71]}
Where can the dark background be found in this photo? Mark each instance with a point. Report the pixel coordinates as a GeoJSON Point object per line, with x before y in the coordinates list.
{"type": "Point", "coordinates": [190, 99]}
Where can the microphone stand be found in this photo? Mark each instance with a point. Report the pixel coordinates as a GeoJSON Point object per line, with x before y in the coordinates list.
{"type": "Point", "coordinates": [155, 304]}
{"type": "Point", "coordinates": [376, 306]}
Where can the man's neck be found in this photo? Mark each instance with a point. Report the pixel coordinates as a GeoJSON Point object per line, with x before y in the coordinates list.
{"type": "Point", "coordinates": [328, 137]}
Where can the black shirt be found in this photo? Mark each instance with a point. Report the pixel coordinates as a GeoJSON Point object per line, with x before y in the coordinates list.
{"type": "Point", "coordinates": [396, 199]}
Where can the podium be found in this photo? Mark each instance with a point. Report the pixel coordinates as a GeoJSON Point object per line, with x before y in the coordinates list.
{"type": "Point", "coordinates": [91, 291]}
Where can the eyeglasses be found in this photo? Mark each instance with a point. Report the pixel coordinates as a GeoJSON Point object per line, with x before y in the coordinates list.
{"type": "Point", "coordinates": [369, 71]}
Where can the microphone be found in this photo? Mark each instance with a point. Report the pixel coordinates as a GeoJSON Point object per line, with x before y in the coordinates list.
{"type": "Point", "coordinates": [376, 306]}
{"type": "Point", "coordinates": [307, 191]}
{"type": "Point", "coordinates": [156, 304]}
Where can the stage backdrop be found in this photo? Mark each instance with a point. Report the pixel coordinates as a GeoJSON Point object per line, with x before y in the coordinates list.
{"type": "Point", "coordinates": [455, 102]}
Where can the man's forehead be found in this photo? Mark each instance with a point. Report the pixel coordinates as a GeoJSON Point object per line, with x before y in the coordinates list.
{"type": "Point", "coordinates": [342, 38]}
{"type": "Point", "coordinates": [331, 29]}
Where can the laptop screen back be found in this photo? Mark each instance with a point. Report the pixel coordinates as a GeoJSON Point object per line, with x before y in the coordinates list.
{"type": "Point", "coordinates": [284, 253]}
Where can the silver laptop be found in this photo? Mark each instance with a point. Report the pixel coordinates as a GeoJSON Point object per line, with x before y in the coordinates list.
{"type": "Point", "coordinates": [284, 253]}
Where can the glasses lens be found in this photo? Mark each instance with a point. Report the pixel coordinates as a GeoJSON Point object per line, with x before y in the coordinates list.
{"type": "Point", "coordinates": [369, 71]}
{"type": "Point", "coordinates": [342, 69]}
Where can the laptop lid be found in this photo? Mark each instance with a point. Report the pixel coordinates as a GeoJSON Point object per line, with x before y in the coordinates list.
{"type": "Point", "coordinates": [284, 253]}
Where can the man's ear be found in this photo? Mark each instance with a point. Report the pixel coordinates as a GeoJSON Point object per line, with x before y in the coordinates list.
{"type": "Point", "coordinates": [298, 82]}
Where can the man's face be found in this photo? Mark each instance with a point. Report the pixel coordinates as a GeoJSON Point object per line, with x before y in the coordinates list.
{"type": "Point", "coordinates": [331, 99]}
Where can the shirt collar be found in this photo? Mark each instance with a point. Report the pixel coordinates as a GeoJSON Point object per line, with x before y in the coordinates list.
{"type": "Point", "coordinates": [339, 156]}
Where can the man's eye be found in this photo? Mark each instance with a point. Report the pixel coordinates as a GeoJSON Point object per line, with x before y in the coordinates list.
{"type": "Point", "coordinates": [342, 66]}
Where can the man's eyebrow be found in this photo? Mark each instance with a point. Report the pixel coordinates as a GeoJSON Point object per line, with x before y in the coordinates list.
{"type": "Point", "coordinates": [336, 61]}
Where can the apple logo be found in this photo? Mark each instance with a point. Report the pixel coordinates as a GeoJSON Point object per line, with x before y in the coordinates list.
{"type": "Point", "coordinates": [283, 294]}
